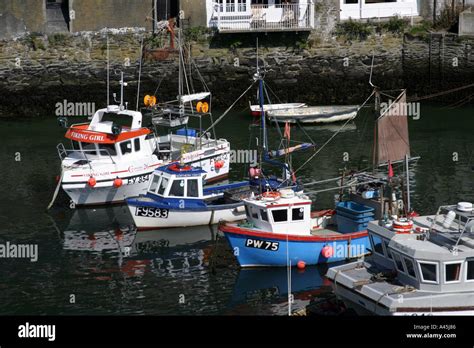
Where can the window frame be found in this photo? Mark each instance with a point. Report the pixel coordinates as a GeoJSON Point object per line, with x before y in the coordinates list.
{"type": "Point", "coordinates": [171, 187]}
{"type": "Point", "coordinates": [404, 259]}
{"type": "Point", "coordinates": [395, 255]}
{"type": "Point", "coordinates": [466, 268]}
{"type": "Point", "coordinates": [279, 222]}
{"type": "Point", "coordinates": [157, 185]}
{"type": "Point", "coordinates": [124, 143]}
{"type": "Point", "coordinates": [187, 186]}
{"type": "Point", "coordinates": [460, 271]}
{"type": "Point", "coordinates": [422, 278]}
{"type": "Point", "coordinates": [372, 243]}
{"type": "Point", "coordinates": [299, 208]}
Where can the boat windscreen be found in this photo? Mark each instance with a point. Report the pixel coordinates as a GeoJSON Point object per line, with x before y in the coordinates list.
{"type": "Point", "coordinates": [122, 120]}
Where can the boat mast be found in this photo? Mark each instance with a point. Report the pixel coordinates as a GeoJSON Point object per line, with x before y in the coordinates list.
{"type": "Point", "coordinates": [408, 184]}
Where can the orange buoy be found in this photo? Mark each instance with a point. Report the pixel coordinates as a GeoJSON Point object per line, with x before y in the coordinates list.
{"type": "Point", "coordinates": [149, 100]}
{"type": "Point", "coordinates": [91, 182]}
{"type": "Point", "coordinates": [199, 106]}
{"type": "Point", "coordinates": [327, 251]}
{"type": "Point", "coordinates": [118, 182]}
{"type": "Point", "coordinates": [205, 107]}
{"type": "Point", "coordinates": [301, 265]}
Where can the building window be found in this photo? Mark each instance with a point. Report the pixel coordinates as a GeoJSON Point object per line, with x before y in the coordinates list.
{"type": "Point", "coordinates": [351, 1]}
{"type": "Point", "coordinates": [126, 147]}
{"type": "Point", "coordinates": [280, 215]}
{"type": "Point", "coordinates": [297, 214]}
{"type": "Point", "coordinates": [230, 6]}
{"type": "Point", "coordinates": [177, 188]}
{"type": "Point", "coordinates": [410, 267]}
{"type": "Point", "coordinates": [192, 188]}
{"type": "Point", "coordinates": [377, 244]}
{"type": "Point", "coordinates": [452, 272]}
{"type": "Point", "coordinates": [154, 183]}
{"type": "Point", "coordinates": [429, 272]}
{"type": "Point", "coordinates": [242, 5]}
{"type": "Point", "coordinates": [264, 215]}
{"type": "Point", "coordinates": [398, 262]}
{"type": "Point", "coordinates": [470, 270]}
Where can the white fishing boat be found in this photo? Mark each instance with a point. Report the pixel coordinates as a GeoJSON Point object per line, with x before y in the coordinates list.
{"type": "Point", "coordinates": [256, 110]}
{"type": "Point", "coordinates": [314, 114]}
{"type": "Point", "coordinates": [113, 156]}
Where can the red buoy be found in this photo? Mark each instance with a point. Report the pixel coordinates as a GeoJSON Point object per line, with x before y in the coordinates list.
{"type": "Point", "coordinates": [91, 182]}
{"type": "Point", "coordinates": [301, 265]}
{"type": "Point", "coordinates": [118, 182]}
{"type": "Point", "coordinates": [218, 164]}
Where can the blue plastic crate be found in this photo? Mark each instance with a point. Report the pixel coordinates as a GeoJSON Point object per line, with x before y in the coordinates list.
{"type": "Point", "coordinates": [358, 218]}
{"type": "Point", "coordinates": [346, 225]}
{"type": "Point", "coordinates": [190, 132]}
{"type": "Point", "coordinates": [355, 209]}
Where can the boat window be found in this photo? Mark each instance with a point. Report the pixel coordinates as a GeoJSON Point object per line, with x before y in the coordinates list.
{"type": "Point", "coordinates": [429, 272]}
{"type": "Point", "coordinates": [126, 147]}
{"type": "Point", "coordinates": [398, 262]}
{"type": "Point", "coordinates": [377, 244]}
{"type": "Point", "coordinates": [254, 212]}
{"type": "Point", "coordinates": [264, 215]}
{"type": "Point", "coordinates": [280, 215]}
{"type": "Point", "coordinates": [107, 149]}
{"type": "Point", "coordinates": [387, 250]}
{"type": "Point", "coordinates": [154, 183]}
{"type": "Point", "coordinates": [247, 211]}
{"type": "Point", "coordinates": [177, 188]}
{"type": "Point", "coordinates": [297, 214]}
{"type": "Point", "coordinates": [89, 149]}
{"type": "Point", "coordinates": [122, 120]}
{"type": "Point", "coordinates": [75, 145]}
{"type": "Point", "coordinates": [452, 272]}
{"type": "Point", "coordinates": [137, 144]}
{"type": "Point", "coordinates": [163, 185]}
{"type": "Point", "coordinates": [192, 188]}
{"type": "Point", "coordinates": [410, 267]}
{"type": "Point", "coordinates": [470, 270]}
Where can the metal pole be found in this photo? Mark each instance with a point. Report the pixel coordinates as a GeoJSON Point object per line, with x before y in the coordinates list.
{"type": "Point", "coordinates": [121, 90]}
{"type": "Point", "coordinates": [155, 17]}
{"type": "Point", "coordinates": [408, 184]}
{"type": "Point", "coordinates": [108, 69]}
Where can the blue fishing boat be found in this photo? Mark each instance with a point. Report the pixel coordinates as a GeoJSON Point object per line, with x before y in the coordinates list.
{"type": "Point", "coordinates": [177, 197]}
{"type": "Point", "coordinates": [280, 230]}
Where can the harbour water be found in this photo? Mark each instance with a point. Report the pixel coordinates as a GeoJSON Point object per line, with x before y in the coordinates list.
{"type": "Point", "coordinates": [90, 261]}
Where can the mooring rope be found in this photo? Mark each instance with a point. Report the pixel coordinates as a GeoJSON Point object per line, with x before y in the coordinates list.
{"type": "Point", "coordinates": [57, 190]}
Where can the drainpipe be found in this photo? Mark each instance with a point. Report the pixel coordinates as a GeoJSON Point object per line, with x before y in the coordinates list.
{"type": "Point", "coordinates": [434, 11]}
{"type": "Point", "coordinates": [155, 16]}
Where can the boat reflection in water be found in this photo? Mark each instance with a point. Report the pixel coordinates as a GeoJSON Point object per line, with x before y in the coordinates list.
{"type": "Point", "coordinates": [269, 285]}
{"type": "Point", "coordinates": [110, 231]}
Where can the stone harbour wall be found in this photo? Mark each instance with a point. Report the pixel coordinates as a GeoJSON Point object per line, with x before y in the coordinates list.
{"type": "Point", "coordinates": [36, 72]}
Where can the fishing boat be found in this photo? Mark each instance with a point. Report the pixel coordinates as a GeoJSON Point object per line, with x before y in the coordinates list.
{"type": "Point", "coordinates": [420, 265]}
{"type": "Point", "coordinates": [113, 156]}
{"type": "Point", "coordinates": [176, 197]}
{"type": "Point", "coordinates": [314, 114]}
{"type": "Point", "coordinates": [280, 229]}
{"type": "Point", "coordinates": [255, 110]}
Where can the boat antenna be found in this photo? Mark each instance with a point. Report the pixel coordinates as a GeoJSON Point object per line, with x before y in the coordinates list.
{"type": "Point", "coordinates": [108, 67]}
{"type": "Point", "coordinates": [371, 71]}
{"type": "Point", "coordinates": [139, 73]}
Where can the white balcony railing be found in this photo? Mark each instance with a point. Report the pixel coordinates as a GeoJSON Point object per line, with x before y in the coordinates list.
{"type": "Point", "coordinates": [242, 17]}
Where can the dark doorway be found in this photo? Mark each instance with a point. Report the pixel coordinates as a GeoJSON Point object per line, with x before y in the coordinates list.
{"type": "Point", "coordinates": [57, 16]}
{"type": "Point", "coordinates": [167, 9]}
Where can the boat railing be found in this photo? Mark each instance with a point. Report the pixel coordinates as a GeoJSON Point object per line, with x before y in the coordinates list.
{"type": "Point", "coordinates": [463, 220]}
{"type": "Point", "coordinates": [63, 153]}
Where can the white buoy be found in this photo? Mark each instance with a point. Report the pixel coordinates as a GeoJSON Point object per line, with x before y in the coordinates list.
{"type": "Point", "coordinates": [448, 220]}
{"type": "Point", "coordinates": [464, 206]}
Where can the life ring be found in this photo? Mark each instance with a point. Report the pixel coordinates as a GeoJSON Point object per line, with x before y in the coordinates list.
{"type": "Point", "coordinates": [402, 225]}
{"type": "Point", "coordinates": [177, 168]}
{"type": "Point", "coordinates": [271, 195]}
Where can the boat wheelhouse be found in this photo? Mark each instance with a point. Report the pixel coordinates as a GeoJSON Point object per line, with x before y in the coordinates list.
{"type": "Point", "coordinates": [176, 197]}
{"type": "Point", "coordinates": [280, 229]}
{"type": "Point", "coordinates": [423, 266]}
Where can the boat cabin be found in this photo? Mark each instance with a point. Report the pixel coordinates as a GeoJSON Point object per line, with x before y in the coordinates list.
{"type": "Point", "coordinates": [437, 255]}
{"type": "Point", "coordinates": [280, 212]}
{"type": "Point", "coordinates": [112, 133]}
{"type": "Point", "coordinates": [175, 181]}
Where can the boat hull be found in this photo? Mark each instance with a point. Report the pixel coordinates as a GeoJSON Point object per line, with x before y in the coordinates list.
{"type": "Point", "coordinates": [144, 219]}
{"type": "Point", "coordinates": [255, 249]}
{"type": "Point", "coordinates": [320, 115]}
